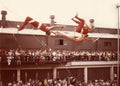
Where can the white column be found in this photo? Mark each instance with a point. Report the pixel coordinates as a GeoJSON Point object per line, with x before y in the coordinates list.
{"type": "Point", "coordinates": [54, 73]}
{"type": "Point", "coordinates": [111, 73]}
{"type": "Point", "coordinates": [85, 74]}
{"type": "Point", "coordinates": [18, 75]}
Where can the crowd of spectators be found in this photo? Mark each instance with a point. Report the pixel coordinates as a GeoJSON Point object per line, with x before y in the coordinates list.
{"type": "Point", "coordinates": [35, 56]}
{"type": "Point", "coordinates": [68, 81]}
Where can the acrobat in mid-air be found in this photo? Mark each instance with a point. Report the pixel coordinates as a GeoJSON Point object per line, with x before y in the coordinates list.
{"type": "Point", "coordinates": [40, 26]}
{"type": "Point", "coordinates": [82, 28]}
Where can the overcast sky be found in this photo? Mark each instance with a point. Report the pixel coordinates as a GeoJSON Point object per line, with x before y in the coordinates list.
{"type": "Point", "coordinates": [104, 12]}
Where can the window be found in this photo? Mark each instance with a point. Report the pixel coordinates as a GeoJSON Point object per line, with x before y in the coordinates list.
{"type": "Point", "coordinates": [61, 42]}
{"type": "Point", "coordinates": [107, 44]}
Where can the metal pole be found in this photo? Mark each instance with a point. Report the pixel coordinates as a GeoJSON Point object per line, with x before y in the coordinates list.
{"type": "Point", "coordinates": [118, 46]}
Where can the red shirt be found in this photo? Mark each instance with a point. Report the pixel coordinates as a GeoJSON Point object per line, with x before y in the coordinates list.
{"type": "Point", "coordinates": [85, 30]}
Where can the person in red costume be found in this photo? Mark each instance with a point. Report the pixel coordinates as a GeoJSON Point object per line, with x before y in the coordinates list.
{"type": "Point", "coordinates": [82, 28]}
{"type": "Point", "coordinates": [40, 26]}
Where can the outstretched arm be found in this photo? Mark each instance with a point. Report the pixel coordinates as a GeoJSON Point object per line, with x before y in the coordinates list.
{"type": "Point", "coordinates": [70, 38]}
{"type": "Point", "coordinates": [55, 27]}
{"type": "Point", "coordinates": [49, 29]}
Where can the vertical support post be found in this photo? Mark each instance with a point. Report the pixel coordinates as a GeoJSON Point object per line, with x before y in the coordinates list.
{"type": "Point", "coordinates": [54, 73]}
{"type": "Point", "coordinates": [112, 73]}
{"type": "Point", "coordinates": [18, 75]}
{"type": "Point", "coordinates": [85, 74]}
{"type": "Point", "coordinates": [118, 46]}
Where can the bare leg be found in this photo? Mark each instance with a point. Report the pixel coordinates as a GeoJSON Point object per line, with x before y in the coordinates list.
{"type": "Point", "coordinates": [78, 22]}
{"type": "Point", "coordinates": [80, 19]}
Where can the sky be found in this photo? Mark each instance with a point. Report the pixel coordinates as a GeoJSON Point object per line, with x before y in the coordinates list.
{"type": "Point", "coordinates": [104, 12]}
